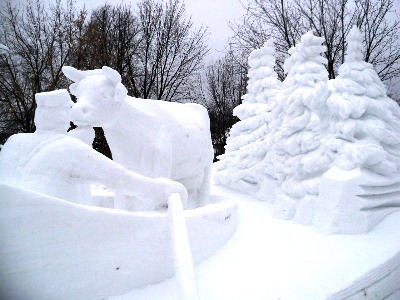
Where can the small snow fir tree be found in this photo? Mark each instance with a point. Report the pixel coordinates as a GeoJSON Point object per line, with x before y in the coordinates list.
{"type": "Point", "coordinates": [257, 114]}
{"type": "Point", "coordinates": [297, 155]}
{"type": "Point", "coordinates": [365, 122]}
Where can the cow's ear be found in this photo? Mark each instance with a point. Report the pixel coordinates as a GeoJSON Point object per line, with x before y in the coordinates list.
{"type": "Point", "coordinates": [120, 93]}
{"type": "Point", "coordinates": [73, 74]}
{"type": "Point", "coordinates": [111, 75]}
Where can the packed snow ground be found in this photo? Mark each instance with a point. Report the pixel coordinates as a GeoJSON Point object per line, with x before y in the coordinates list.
{"type": "Point", "coordinates": [269, 258]}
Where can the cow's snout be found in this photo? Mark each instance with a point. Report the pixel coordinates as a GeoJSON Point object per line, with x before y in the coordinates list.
{"type": "Point", "coordinates": [82, 113]}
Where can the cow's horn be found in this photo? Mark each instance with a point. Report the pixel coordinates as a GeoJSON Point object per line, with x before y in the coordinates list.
{"type": "Point", "coordinates": [73, 74]}
{"type": "Point", "coordinates": [111, 75]}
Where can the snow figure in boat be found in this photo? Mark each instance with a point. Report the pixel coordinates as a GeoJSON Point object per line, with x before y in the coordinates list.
{"type": "Point", "coordinates": [297, 156]}
{"type": "Point", "coordinates": [252, 137]}
{"type": "Point", "coordinates": [52, 163]}
{"type": "Point", "coordinates": [364, 144]}
{"type": "Point", "coordinates": [150, 137]}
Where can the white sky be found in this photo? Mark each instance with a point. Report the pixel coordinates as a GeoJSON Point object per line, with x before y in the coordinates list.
{"type": "Point", "coordinates": [214, 14]}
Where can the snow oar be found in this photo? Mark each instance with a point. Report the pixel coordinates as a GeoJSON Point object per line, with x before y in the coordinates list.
{"type": "Point", "coordinates": [183, 260]}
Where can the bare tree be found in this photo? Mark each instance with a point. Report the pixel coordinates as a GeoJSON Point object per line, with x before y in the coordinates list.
{"type": "Point", "coordinates": [171, 50]}
{"type": "Point", "coordinates": [381, 36]}
{"type": "Point", "coordinates": [155, 48]}
{"type": "Point", "coordinates": [40, 41]}
{"type": "Point", "coordinates": [111, 38]}
{"type": "Point", "coordinates": [287, 20]}
{"type": "Point", "coordinates": [222, 87]}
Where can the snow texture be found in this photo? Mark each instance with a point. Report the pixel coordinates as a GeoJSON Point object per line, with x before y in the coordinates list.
{"type": "Point", "coordinates": [316, 124]}
{"type": "Point", "coordinates": [54, 249]}
{"type": "Point", "coordinates": [151, 137]}
{"type": "Point", "coordinates": [364, 120]}
{"type": "Point", "coordinates": [268, 258]}
{"type": "Point", "coordinates": [55, 164]}
{"type": "Point", "coordinates": [353, 202]}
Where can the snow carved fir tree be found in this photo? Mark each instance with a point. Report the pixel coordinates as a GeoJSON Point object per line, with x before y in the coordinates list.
{"type": "Point", "coordinates": [298, 157]}
{"type": "Point", "coordinates": [294, 133]}
{"type": "Point", "coordinates": [365, 122]}
{"type": "Point", "coordinates": [258, 116]}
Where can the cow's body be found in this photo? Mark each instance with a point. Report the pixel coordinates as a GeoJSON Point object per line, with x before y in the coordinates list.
{"type": "Point", "coordinates": [151, 137]}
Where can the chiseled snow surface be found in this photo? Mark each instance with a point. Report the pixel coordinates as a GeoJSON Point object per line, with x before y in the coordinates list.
{"type": "Point", "coordinates": [269, 258]}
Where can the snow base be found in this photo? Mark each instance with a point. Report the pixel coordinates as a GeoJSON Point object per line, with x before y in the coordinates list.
{"type": "Point", "coordinates": [349, 202]}
{"type": "Point", "coordinates": [53, 249]}
{"type": "Point", "coordinates": [268, 258]}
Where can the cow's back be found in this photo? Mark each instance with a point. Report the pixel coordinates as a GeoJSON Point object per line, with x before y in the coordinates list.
{"type": "Point", "coordinates": [181, 131]}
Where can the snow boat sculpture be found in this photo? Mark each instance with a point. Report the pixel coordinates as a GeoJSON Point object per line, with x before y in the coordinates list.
{"type": "Point", "coordinates": [53, 245]}
{"type": "Point", "coordinates": [333, 161]}
{"type": "Point", "coordinates": [151, 137]}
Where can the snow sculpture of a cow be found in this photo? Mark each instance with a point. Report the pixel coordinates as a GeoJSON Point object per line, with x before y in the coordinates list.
{"type": "Point", "coordinates": [151, 137]}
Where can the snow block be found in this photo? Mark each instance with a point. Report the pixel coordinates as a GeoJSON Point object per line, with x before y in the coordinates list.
{"type": "Point", "coordinates": [355, 201]}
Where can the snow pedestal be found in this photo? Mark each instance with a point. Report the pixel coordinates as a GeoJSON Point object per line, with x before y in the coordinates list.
{"type": "Point", "coordinates": [349, 202]}
{"type": "Point", "coordinates": [353, 202]}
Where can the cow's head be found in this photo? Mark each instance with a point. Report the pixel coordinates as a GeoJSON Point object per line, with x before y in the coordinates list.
{"type": "Point", "coordinates": [99, 94]}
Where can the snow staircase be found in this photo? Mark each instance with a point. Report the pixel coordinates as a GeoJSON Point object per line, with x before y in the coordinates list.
{"type": "Point", "coordinates": [183, 259]}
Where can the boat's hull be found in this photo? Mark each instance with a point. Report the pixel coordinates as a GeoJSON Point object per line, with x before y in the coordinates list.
{"type": "Point", "coordinates": [52, 249]}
